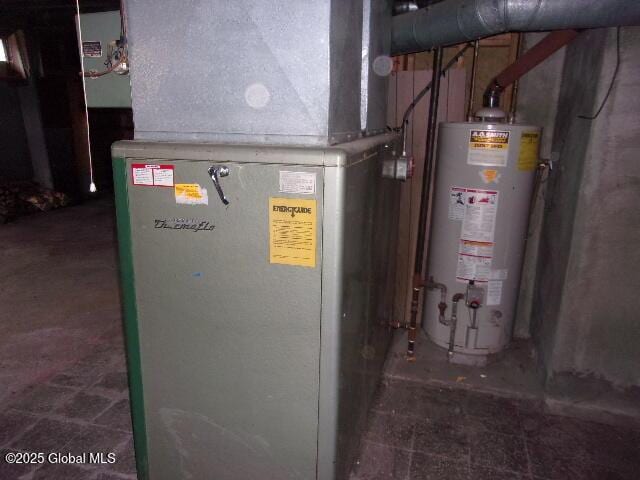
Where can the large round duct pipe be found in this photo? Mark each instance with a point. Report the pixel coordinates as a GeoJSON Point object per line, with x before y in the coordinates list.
{"type": "Point", "coordinates": [456, 21]}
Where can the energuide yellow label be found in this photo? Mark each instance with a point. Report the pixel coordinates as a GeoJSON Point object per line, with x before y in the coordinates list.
{"type": "Point", "coordinates": [528, 158]}
{"type": "Point", "coordinates": [292, 231]}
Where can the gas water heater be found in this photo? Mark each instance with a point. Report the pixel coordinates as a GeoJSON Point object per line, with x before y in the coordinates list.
{"type": "Point", "coordinates": [483, 185]}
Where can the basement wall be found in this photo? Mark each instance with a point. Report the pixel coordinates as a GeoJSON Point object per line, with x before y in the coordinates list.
{"type": "Point", "coordinates": [15, 162]}
{"type": "Point", "coordinates": [544, 81]}
{"type": "Point", "coordinates": [584, 319]}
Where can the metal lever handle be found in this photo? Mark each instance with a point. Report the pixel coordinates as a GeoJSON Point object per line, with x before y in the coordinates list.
{"type": "Point", "coordinates": [215, 173]}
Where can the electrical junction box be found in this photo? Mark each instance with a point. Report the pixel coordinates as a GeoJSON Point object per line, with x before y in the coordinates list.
{"type": "Point", "coordinates": [110, 90]}
{"type": "Point", "coordinates": [256, 330]}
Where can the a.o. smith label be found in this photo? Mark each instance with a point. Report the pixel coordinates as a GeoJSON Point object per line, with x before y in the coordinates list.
{"type": "Point", "coordinates": [488, 148]}
{"type": "Point", "coordinates": [292, 231]}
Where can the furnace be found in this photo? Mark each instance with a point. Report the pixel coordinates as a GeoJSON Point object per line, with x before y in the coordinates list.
{"type": "Point", "coordinates": [257, 219]}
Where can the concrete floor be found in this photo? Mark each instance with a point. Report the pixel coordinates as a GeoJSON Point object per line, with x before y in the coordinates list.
{"type": "Point", "coordinates": [63, 382]}
{"type": "Point", "coordinates": [62, 368]}
{"type": "Point", "coordinates": [434, 420]}
{"type": "Point", "coordinates": [513, 375]}
{"type": "Point", "coordinates": [419, 431]}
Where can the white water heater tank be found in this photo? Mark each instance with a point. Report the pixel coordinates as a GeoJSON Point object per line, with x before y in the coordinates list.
{"type": "Point", "coordinates": [483, 185]}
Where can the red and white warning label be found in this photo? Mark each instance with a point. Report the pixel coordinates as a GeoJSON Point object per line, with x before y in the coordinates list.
{"type": "Point", "coordinates": [481, 209]}
{"type": "Point", "coordinates": [474, 261]}
{"type": "Point", "coordinates": [152, 175]}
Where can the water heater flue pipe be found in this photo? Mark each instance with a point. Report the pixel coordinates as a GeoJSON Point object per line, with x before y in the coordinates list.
{"type": "Point", "coordinates": [532, 57]}
{"type": "Point", "coordinates": [457, 21]}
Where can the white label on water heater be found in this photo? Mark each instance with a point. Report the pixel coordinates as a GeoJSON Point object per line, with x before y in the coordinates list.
{"type": "Point", "coordinates": [499, 274]}
{"type": "Point", "coordinates": [478, 249]}
{"type": "Point", "coordinates": [494, 292]}
{"type": "Point", "coordinates": [481, 208]}
{"type": "Point", "coordinates": [489, 148]}
{"type": "Point", "coordinates": [457, 201]}
{"type": "Point", "coordinates": [298, 182]}
{"type": "Point", "coordinates": [471, 267]}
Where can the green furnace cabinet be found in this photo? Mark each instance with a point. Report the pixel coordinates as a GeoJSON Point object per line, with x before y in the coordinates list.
{"type": "Point", "coordinates": [256, 330]}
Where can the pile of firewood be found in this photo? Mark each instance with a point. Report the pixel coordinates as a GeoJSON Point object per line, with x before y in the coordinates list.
{"type": "Point", "coordinates": [22, 198]}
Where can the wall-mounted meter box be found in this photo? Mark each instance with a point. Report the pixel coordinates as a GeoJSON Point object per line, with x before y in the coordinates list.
{"type": "Point", "coordinates": [258, 284]}
{"type": "Point", "coordinates": [99, 32]}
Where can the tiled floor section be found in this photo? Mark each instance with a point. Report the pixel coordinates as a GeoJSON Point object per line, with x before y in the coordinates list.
{"type": "Point", "coordinates": [62, 366]}
{"type": "Point", "coordinates": [82, 409]}
{"type": "Point", "coordinates": [63, 384]}
{"type": "Point", "coordinates": [421, 432]}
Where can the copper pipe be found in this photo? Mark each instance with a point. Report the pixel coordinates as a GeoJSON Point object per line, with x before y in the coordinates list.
{"type": "Point", "coordinates": [418, 281]}
{"type": "Point", "coordinates": [442, 306]}
{"type": "Point", "coordinates": [532, 57]}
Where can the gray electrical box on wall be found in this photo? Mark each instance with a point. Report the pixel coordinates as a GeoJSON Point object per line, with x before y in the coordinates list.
{"type": "Point", "coordinates": [258, 288]}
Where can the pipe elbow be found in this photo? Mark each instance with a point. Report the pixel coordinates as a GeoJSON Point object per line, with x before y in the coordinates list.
{"type": "Point", "coordinates": [491, 96]}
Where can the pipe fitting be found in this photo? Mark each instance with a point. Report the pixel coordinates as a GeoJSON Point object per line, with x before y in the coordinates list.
{"type": "Point", "coordinates": [453, 322]}
{"type": "Point", "coordinates": [532, 57]}
{"type": "Point", "coordinates": [442, 306]}
{"type": "Point", "coordinates": [491, 97]}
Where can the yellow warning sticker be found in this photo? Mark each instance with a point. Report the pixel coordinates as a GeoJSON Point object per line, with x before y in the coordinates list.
{"type": "Point", "coordinates": [191, 194]}
{"type": "Point", "coordinates": [292, 231]}
{"type": "Point", "coordinates": [488, 147]}
{"type": "Point", "coordinates": [528, 158]}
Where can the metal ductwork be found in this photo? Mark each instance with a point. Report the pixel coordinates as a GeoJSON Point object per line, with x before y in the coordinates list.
{"type": "Point", "coordinates": [456, 21]}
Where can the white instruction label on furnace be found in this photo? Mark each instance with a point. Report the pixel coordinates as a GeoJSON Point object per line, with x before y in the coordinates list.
{"type": "Point", "coordinates": [298, 182]}
{"type": "Point", "coordinates": [474, 268]}
{"type": "Point", "coordinates": [479, 221]}
{"type": "Point", "coordinates": [163, 177]}
{"type": "Point", "coordinates": [498, 274]}
{"type": "Point", "coordinates": [457, 202]}
{"type": "Point", "coordinates": [494, 292]}
{"type": "Point", "coordinates": [152, 175]}
{"type": "Point", "coordinates": [142, 174]}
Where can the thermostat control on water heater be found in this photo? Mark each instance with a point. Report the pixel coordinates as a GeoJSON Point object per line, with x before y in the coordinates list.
{"type": "Point", "coordinates": [474, 296]}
